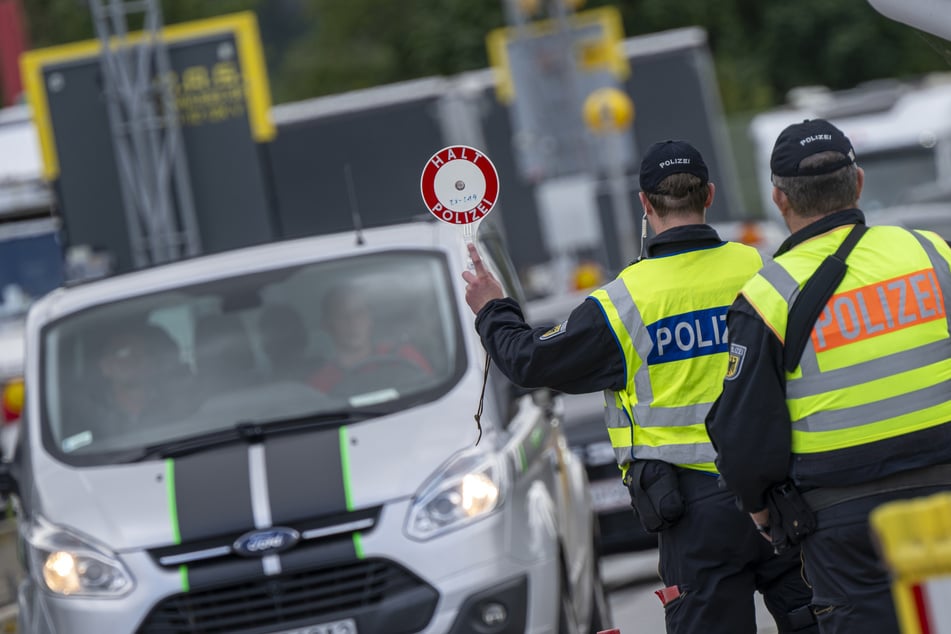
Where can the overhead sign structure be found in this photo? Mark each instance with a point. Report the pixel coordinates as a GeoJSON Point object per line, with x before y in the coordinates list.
{"type": "Point", "coordinates": [594, 39]}
{"type": "Point", "coordinates": [460, 185]}
{"type": "Point", "coordinates": [545, 70]}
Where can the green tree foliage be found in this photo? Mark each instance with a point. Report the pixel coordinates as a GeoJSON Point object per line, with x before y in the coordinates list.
{"type": "Point", "coordinates": [762, 47]}
{"type": "Point", "coordinates": [51, 22]}
{"type": "Point", "coordinates": [359, 43]}
{"type": "Point", "coordinates": [765, 47]}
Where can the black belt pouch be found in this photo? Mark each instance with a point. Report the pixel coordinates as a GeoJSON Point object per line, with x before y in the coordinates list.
{"type": "Point", "coordinates": [791, 519]}
{"type": "Point", "coordinates": [655, 494]}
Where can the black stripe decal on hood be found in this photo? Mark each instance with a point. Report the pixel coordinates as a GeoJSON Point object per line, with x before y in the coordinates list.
{"type": "Point", "coordinates": [305, 476]}
{"type": "Point", "coordinates": [213, 493]}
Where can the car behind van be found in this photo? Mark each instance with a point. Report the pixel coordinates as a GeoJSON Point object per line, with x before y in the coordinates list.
{"type": "Point", "coordinates": [202, 452]}
{"type": "Point", "coordinates": [619, 530]}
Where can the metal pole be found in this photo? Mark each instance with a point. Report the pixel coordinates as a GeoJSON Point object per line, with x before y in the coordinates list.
{"type": "Point", "coordinates": [513, 15]}
{"type": "Point", "coordinates": [175, 175]}
{"type": "Point", "coordinates": [572, 86]}
{"type": "Point", "coordinates": [153, 173]}
{"type": "Point", "coordinates": [628, 240]}
{"type": "Point", "coordinates": [112, 74]}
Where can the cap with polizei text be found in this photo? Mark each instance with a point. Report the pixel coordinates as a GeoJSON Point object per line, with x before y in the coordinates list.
{"type": "Point", "coordinates": [670, 157]}
{"type": "Point", "coordinates": [802, 140]}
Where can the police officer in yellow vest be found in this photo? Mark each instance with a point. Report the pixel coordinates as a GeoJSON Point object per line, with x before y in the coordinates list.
{"type": "Point", "coordinates": [655, 340]}
{"type": "Point", "coordinates": [861, 415]}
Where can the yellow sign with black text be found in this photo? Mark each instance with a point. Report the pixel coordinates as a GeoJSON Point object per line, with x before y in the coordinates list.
{"type": "Point", "coordinates": [234, 85]}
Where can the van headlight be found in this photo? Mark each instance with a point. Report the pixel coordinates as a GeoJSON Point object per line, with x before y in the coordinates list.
{"type": "Point", "coordinates": [69, 565]}
{"type": "Point", "coordinates": [467, 488]}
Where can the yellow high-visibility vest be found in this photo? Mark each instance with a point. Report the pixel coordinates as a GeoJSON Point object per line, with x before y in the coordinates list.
{"type": "Point", "coordinates": [878, 362]}
{"type": "Point", "coordinates": [669, 317]}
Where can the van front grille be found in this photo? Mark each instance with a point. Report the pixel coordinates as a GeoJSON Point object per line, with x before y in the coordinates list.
{"type": "Point", "coordinates": [312, 597]}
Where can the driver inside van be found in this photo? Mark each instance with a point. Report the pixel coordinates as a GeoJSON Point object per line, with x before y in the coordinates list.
{"type": "Point", "coordinates": [347, 318]}
{"type": "Point", "coordinates": [141, 377]}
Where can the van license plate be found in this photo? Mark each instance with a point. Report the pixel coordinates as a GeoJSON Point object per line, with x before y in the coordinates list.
{"type": "Point", "coordinates": [346, 626]}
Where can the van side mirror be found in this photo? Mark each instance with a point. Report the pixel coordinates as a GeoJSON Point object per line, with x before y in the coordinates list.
{"type": "Point", "coordinates": [545, 398]}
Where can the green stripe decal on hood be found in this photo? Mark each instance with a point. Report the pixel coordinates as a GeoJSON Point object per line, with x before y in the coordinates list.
{"type": "Point", "coordinates": [345, 465]}
{"type": "Point", "coordinates": [358, 545]}
{"type": "Point", "coordinates": [183, 575]}
{"type": "Point", "coordinates": [172, 500]}
{"type": "Point", "coordinates": [173, 516]}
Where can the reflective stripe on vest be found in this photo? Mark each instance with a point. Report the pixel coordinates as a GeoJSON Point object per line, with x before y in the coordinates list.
{"type": "Point", "coordinates": [675, 355]}
{"type": "Point", "coordinates": [878, 362]}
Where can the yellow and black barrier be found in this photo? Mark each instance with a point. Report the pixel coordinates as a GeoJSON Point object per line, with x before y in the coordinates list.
{"type": "Point", "coordinates": [914, 537]}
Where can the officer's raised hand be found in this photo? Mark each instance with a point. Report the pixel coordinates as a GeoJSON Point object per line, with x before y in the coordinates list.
{"type": "Point", "coordinates": [481, 286]}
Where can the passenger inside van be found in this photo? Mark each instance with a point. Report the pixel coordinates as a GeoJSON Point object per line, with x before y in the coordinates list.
{"type": "Point", "coordinates": [360, 361]}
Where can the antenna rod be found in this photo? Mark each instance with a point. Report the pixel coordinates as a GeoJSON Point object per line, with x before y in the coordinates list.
{"type": "Point", "coordinates": [354, 209]}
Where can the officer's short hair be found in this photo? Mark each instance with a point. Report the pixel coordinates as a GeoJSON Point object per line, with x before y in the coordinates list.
{"type": "Point", "coordinates": [819, 194]}
{"type": "Point", "coordinates": [679, 194]}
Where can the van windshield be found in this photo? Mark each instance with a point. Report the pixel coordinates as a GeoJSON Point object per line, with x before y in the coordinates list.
{"type": "Point", "coordinates": [376, 332]}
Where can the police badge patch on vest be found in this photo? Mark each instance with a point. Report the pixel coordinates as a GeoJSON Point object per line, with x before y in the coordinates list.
{"type": "Point", "coordinates": [737, 354]}
{"type": "Point", "coordinates": [554, 331]}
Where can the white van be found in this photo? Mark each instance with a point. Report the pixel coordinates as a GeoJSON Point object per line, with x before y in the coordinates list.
{"type": "Point", "coordinates": [203, 451]}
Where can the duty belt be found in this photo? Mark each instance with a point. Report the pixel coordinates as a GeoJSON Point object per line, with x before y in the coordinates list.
{"type": "Point", "coordinates": [935, 475]}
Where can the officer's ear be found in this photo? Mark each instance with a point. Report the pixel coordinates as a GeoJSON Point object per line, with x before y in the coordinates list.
{"type": "Point", "coordinates": [859, 183]}
{"type": "Point", "coordinates": [711, 192]}
{"type": "Point", "coordinates": [645, 203]}
{"type": "Point", "coordinates": [781, 201]}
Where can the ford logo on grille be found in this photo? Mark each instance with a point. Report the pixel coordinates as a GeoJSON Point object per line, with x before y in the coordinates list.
{"type": "Point", "coordinates": [267, 541]}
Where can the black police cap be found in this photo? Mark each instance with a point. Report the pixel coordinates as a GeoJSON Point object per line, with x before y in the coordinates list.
{"type": "Point", "coordinates": [802, 140]}
{"type": "Point", "coordinates": [670, 157]}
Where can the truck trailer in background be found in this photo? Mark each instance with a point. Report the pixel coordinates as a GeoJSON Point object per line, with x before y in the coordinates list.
{"type": "Point", "coordinates": [357, 157]}
{"type": "Point", "coordinates": [901, 132]}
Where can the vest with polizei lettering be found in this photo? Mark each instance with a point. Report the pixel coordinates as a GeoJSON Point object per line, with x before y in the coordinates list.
{"type": "Point", "coordinates": [877, 365]}
{"type": "Point", "coordinates": [669, 317]}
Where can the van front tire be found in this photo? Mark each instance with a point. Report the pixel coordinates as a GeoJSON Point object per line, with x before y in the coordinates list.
{"type": "Point", "coordinates": [567, 619]}
{"type": "Point", "coordinates": [601, 618]}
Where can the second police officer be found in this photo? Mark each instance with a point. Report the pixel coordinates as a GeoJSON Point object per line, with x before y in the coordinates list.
{"type": "Point", "coordinates": [655, 341]}
{"type": "Point", "coordinates": [823, 419]}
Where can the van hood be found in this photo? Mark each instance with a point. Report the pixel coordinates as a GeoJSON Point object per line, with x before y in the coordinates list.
{"type": "Point", "coordinates": [295, 480]}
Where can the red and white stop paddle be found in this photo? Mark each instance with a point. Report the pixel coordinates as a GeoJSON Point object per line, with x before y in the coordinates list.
{"type": "Point", "coordinates": [460, 186]}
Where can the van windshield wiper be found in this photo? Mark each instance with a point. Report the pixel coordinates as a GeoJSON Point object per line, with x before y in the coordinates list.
{"type": "Point", "coordinates": [250, 432]}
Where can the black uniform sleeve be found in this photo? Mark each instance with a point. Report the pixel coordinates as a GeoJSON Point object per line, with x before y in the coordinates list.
{"type": "Point", "coordinates": [749, 424]}
{"type": "Point", "coordinates": [578, 356]}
